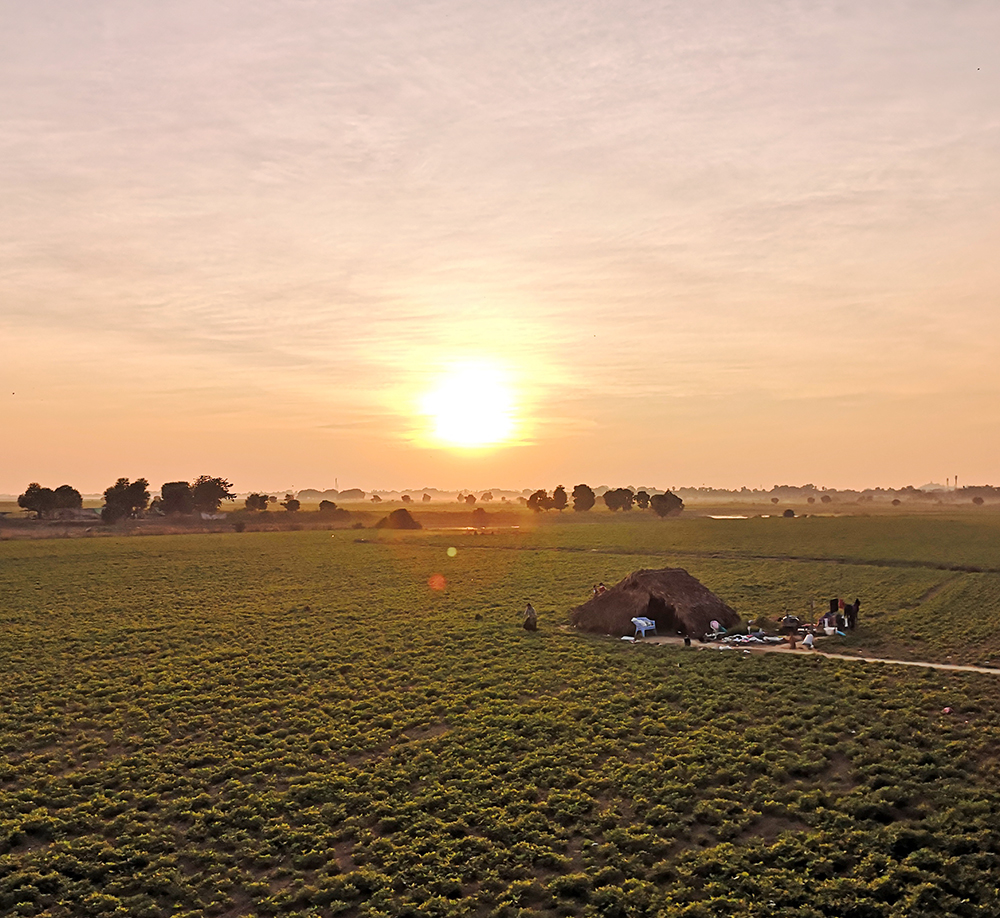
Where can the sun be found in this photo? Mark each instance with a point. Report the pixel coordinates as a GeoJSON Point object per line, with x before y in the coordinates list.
{"type": "Point", "coordinates": [471, 406]}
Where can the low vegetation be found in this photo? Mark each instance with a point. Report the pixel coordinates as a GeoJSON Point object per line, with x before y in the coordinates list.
{"type": "Point", "coordinates": [350, 723]}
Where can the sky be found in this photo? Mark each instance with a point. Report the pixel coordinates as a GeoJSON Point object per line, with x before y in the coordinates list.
{"type": "Point", "coordinates": [738, 243]}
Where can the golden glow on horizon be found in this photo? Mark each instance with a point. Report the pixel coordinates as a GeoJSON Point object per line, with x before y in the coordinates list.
{"type": "Point", "coordinates": [470, 407]}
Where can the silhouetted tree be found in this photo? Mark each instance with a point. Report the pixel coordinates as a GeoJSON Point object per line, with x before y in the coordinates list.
{"type": "Point", "coordinates": [125, 500]}
{"type": "Point", "coordinates": [642, 499]}
{"type": "Point", "coordinates": [470, 499]}
{"type": "Point", "coordinates": [426, 498]}
{"type": "Point", "coordinates": [376, 499]}
{"type": "Point", "coordinates": [487, 496]}
{"type": "Point", "coordinates": [208, 493]}
{"type": "Point", "coordinates": [826, 498]}
{"type": "Point", "coordinates": [668, 504]}
{"type": "Point", "coordinates": [774, 500]}
{"type": "Point", "coordinates": [788, 514]}
{"type": "Point", "coordinates": [175, 497]}
{"type": "Point", "coordinates": [619, 499]}
{"type": "Point", "coordinates": [978, 501]}
{"type": "Point", "coordinates": [538, 501]}
{"type": "Point", "coordinates": [810, 500]}
{"type": "Point", "coordinates": [479, 518]}
{"type": "Point", "coordinates": [406, 498]}
{"type": "Point", "coordinates": [43, 501]}
{"type": "Point", "coordinates": [559, 500]}
{"type": "Point", "coordinates": [290, 504]}
{"type": "Point", "coordinates": [896, 501]}
{"type": "Point", "coordinates": [37, 499]}
{"type": "Point", "coordinates": [329, 511]}
{"type": "Point", "coordinates": [259, 502]}
{"type": "Point", "coordinates": [583, 498]}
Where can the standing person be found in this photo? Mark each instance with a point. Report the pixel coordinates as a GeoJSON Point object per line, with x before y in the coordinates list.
{"type": "Point", "coordinates": [530, 618]}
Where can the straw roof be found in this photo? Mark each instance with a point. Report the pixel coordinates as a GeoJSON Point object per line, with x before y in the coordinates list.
{"type": "Point", "coordinates": [675, 600]}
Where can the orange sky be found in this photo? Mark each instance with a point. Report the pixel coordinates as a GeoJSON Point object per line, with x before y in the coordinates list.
{"type": "Point", "coordinates": [729, 244]}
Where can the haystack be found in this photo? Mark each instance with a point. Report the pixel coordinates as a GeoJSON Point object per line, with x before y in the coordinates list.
{"type": "Point", "coordinates": [671, 597]}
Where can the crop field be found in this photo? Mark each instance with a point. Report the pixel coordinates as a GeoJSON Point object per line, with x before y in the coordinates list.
{"type": "Point", "coordinates": [297, 723]}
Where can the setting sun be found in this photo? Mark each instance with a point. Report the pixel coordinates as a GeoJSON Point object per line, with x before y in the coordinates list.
{"type": "Point", "coordinates": [471, 407]}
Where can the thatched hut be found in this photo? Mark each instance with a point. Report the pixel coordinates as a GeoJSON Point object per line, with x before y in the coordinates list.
{"type": "Point", "coordinates": [671, 597]}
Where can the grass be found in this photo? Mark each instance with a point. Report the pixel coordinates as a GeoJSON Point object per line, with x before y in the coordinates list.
{"type": "Point", "coordinates": [295, 723]}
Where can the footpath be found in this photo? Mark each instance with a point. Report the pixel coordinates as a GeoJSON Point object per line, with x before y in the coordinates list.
{"type": "Point", "coordinates": [803, 652]}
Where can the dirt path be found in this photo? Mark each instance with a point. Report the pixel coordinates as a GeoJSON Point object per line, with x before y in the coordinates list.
{"type": "Point", "coordinates": [802, 652]}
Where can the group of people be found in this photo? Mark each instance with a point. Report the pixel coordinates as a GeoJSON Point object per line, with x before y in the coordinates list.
{"type": "Point", "coordinates": [841, 615]}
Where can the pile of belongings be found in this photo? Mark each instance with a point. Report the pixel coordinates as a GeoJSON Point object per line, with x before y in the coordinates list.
{"type": "Point", "coordinates": [755, 637]}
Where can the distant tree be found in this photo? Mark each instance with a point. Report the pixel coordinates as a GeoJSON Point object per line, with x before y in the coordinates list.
{"type": "Point", "coordinates": [258, 502]}
{"type": "Point", "coordinates": [470, 499]}
{"type": "Point", "coordinates": [175, 497]}
{"type": "Point", "coordinates": [774, 500]}
{"type": "Point", "coordinates": [810, 500]}
{"type": "Point", "coordinates": [479, 518]}
{"type": "Point", "coordinates": [352, 494]}
{"type": "Point", "coordinates": [398, 519]}
{"type": "Point", "coordinates": [619, 499]}
{"type": "Point", "coordinates": [826, 498]}
{"type": "Point", "coordinates": [583, 498]}
{"type": "Point", "coordinates": [376, 499]}
{"type": "Point", "coordinates": [559, 499]}
{"type": "Point", "coordinates": [642, 499]}
{"type": "Point", "coordinates": [538, 501]}
{"type": "Point", "coordinates": [788, 514]}
{"type": "Point", "coordinates": [406, 498]}
{"type": "Point", "coordinates": [487, 496]}
{"type": "Point", "coordinates": [896, 501]}
{"type": "Point", "coordinates": [668, 504]}
{"type": "Point", "coordinates": [426, 498]}
{"type": "Point", "coordinates": [37, 499]}
{"type": "Point", "coordinates": [460, 498]}
{"type": "Point", "coordinates": [125, 500]}
{"type": "Point", "coordinates": [68, 498]}
{"type": "Point", "coordinates": [290, 504]}
{"type": "Point", "coordinates": [329, 511]}
{"type": "Point", "coordinates": [978, 501]}
{"type": "Point", "coordinates": [208, 493]}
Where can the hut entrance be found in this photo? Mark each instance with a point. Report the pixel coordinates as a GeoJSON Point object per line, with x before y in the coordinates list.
{"type": "Point", "coordinates": [664, 615]}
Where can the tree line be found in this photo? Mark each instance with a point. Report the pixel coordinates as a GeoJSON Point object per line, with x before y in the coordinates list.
{"type": "Point", "coordinates": [584, 499]}
{"type": "Point", "coordinates": [127, 499]}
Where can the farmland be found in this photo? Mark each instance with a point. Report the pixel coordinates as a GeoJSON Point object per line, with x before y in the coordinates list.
{"type": "Point", "coordinates": [293, 723]}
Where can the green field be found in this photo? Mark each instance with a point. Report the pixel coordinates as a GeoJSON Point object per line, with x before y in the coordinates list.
{"type": "Point", "coordinates": [295, 723]}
